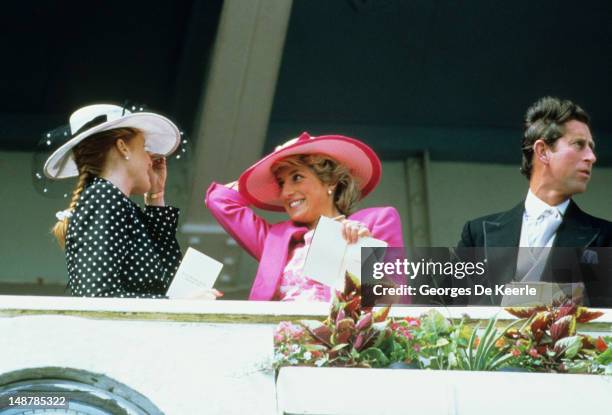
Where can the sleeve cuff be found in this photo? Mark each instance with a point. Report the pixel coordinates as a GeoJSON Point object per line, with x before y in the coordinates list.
{"type": "Point", "coordinates": [164, 216]}
{"type": "Point", "coordinates": [218, 191]}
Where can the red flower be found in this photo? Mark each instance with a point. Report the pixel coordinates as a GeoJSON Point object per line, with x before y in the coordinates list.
{"type": "Point", "coordinates": [406, 334]}
{"type": "Point", "coordinates": [601, 345]}
{"type": "Point", "coordinates": [533, 353]}
{"type": "Point", "coordinates": [516, 352]}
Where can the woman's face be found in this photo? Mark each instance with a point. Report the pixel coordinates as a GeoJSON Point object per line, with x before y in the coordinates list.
{"type": "Point", "coordinates": [139, 165]}
{"type": "Point", "coordinates": [305, 197]}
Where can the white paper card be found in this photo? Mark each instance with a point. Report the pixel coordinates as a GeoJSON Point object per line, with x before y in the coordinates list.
{"type": "Point", "coordinates": [352, 257]}
{"type": "Point", "coordinates": [330, 256]}
{"type": "Point", "coordinates": [197, 272]}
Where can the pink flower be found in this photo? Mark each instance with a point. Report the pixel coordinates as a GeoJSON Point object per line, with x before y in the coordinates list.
{"type": "Point", "coordinates": [406, 333]}
{"type": "Point", "coordinates": [287, 331]}
{"type": "Point", "coordinates": [533, 353]}
{"type": "Point", "coordinates": [414, 322]}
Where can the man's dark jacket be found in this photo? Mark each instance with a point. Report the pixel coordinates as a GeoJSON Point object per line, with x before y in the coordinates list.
{"type": "Point", "coordinates": [577, 230]}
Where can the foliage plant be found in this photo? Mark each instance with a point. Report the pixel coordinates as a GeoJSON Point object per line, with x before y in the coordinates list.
{"type": "Point", "coordinates": [541, 339]}
{"type": "Point", "coordinates": [548, 340]}
{"type": "Point", "coordinates": [350, 336]}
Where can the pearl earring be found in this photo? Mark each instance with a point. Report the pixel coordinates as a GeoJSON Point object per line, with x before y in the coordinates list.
{"type": "Point", "coordinates": [329, 191]}
{"type": "Point", "coordinates": [127, 158]}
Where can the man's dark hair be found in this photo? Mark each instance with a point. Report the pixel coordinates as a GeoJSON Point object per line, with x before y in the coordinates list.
{"type": "Point", "coordinates": [545, 120]}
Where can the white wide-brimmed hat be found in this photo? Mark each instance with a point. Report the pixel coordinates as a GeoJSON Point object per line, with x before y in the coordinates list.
{"type": "Point", "coordinates": [258, 185]}
{"type": "Point", "coordinates": [161, 135]}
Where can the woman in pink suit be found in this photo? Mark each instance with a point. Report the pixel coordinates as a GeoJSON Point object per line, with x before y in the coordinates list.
{"type": "Point", "coordinates": [307, 177]}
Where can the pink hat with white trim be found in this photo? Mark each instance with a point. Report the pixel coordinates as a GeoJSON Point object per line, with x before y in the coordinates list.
{"type": "Point", "coordinates": [258, 185]}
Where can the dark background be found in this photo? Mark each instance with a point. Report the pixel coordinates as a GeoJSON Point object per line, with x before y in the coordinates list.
{"type": "Point", "coordinates": [452, 77]}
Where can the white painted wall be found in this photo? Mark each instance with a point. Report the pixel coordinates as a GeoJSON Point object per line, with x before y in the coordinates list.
{"type": "Point", "coordinates": [183, 368]}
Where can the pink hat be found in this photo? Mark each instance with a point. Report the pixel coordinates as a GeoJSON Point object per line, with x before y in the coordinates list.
{"type": "Point", "coordinates": [258, 185]}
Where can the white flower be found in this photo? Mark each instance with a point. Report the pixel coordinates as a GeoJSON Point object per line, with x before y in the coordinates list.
{"type": "Point", "coordinates": [63, 214]}
{"type": "Point", "coordinates": [425, 361]}
{"type": "Point", "coordinates": [307, 355]}
{"type": "Point", "coordinates": [320, 362]}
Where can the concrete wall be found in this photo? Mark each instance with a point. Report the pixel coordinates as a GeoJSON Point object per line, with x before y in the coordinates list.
{"type": "Point", "coordinates": [462, 191]}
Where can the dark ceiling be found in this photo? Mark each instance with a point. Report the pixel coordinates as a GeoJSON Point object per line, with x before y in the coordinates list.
{"type": "Point", "coordinates": [59, 56]}
{"type": "Point", "coordinates": [405, 75]}
{"type": "Point", "coordinates": [453, 77]}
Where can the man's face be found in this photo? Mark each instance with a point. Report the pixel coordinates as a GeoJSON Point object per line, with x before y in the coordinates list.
{"type": "Point", "coordinates": [571, 159]}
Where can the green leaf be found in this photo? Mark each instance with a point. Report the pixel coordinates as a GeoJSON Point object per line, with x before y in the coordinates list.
{"type": "Point", "coordinates": [488, 343]}
{"type": "Point", "coordinates": [442, 342]}
{"type": "Point", "coordinates": [470, 348]}
{"type": "Point", "coordinates": [376, 356]}
{"type": "Point", "coordinates": [499, 361]}
{"type": "Point", "coordinates": [380, 330]}
{"type": "Point", "coordinates": [606, 357]}
{"type": "Point", "coordinates": [339, 347]}
{"type": "Point", "coordinates": [481, 349]}
{"type": "Point", "coordinates": [452, 360]}
{"type": "Point", "coordinates": [434, 322]}
{"type": "Point", "coordinates": [570, 346]}
{"type": "Point", "coordinates": [578, 366]}
{"type": "Point", "coordinates": [381, 314]}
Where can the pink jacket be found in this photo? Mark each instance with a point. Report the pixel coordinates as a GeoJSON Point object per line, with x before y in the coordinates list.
{"type": "Point", "coordinates": [269, 243]}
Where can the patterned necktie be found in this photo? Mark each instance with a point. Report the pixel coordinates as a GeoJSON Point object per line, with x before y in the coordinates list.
{"type": "Point", "coordinates": [545, 227]}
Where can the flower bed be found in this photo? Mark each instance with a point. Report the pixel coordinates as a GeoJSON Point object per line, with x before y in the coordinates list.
{"type": "Point", "coordinates": [541, 339]}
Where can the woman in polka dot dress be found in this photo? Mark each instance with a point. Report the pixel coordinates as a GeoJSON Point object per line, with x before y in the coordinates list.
{"type": "Point", "coordinates": [113, 247]}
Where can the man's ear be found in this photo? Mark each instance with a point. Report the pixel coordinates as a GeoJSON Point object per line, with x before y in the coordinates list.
{"type": "Point", "coordinates": [122, 148]}
{"type": "Point", "coordinates": [541, 150]}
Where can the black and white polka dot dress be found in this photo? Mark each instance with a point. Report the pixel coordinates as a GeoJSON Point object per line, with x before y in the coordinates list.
{"type": "Point", "coordinates": [114, 249]}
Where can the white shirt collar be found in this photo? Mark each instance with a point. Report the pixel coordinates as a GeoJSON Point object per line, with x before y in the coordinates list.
{"type": "Point", "coordinates": [534, 206]}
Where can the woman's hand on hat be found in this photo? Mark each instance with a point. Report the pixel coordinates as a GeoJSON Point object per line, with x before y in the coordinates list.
{"type": "Point", "coordinates": [232, 185]}
{"type": "Point", "coordinates": [352, 230]}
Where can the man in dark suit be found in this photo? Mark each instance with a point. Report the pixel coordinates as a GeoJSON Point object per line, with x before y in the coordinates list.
{"type": "Point", "coordinates": [558, 157]}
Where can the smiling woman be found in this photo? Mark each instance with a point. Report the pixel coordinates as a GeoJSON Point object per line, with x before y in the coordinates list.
{"type": "Point", "coordinates": [307, 177]}
{"type": "Point", "coordinates": [308, 181]}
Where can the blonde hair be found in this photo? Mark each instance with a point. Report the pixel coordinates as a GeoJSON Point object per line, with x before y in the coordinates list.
{"type": "Point", "coordinates": [90, 157]}
{"type": "Point", "coordinates": [330, 172]}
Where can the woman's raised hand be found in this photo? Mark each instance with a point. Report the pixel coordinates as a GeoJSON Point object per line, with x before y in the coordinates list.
{"type": "Point", "coordinates": [352, 230]}
{"type": "Point", "coordinates": [158, 173]}
{"type": "Point", "coordinates": [232, 185]}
